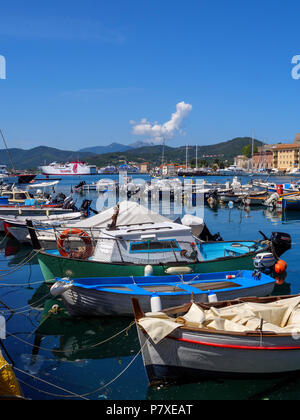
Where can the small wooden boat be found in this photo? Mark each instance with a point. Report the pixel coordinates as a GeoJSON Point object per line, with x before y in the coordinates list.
{"type": "Point", "coordinates": [247, 337]}
{"type": "Point", "coordinates": [112, 296]}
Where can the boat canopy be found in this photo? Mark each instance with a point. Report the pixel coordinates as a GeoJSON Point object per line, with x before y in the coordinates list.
{"type": "Point", "coordinates": [130, 214]}
{"type": "Point", "coordinates": [279, 317]}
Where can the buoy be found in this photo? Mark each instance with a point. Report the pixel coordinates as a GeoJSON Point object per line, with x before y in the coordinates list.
{"type": "Point", "coordinates": [148, 271]}
{"type": "Point", "coordinates": [155, 303]}
{"type": "Point", "coordinates": [230, 204]}
{"type": "Point", "coordinates": [280, 267]}
{"type": "Point", "coordinates": [212, 297]}
{"type": "Point", "coordinates": [230, 276]}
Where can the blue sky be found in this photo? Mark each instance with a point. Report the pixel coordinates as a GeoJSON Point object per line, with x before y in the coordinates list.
{"type": "Point", "coordinates": [79, 72]}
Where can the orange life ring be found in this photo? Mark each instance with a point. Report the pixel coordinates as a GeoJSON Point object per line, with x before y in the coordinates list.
{"type": "Point", "coordinates": [82, 255]}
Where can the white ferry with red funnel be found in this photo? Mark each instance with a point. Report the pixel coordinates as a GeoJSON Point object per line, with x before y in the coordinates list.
{"type": "Point", "coordinates": [71, 168]}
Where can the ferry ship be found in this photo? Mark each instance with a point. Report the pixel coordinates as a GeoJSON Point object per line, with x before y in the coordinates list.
{"type": "Point", "coordinates": [72, 168]}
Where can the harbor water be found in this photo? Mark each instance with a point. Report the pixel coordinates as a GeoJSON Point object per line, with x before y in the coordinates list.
{"type": "Point", "coordinates": [58, 357]}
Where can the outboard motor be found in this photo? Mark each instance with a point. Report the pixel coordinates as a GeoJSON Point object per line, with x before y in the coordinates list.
{"type": "Point", "coordinates": [281, 242]}
{"type": "Point", "coordinates": [199, 229]}
{"type": "Point", "coordinates": [69, 204]}
{"type": "Point", "coordinates": [86, 208]}
{"type": "Point", "coordinates": [208, 237]}
{"type": "Point", "coordinates": [58, 199]}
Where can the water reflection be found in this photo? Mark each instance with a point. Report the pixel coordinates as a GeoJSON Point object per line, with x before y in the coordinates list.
{"type": "Point", "coordinates": [85, 338]}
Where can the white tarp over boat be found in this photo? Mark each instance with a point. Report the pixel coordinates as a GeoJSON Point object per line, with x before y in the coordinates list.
{"type": "Point", "coordinates": [280, 317]}
{"type": "Point", "coordinates": [130, 213]}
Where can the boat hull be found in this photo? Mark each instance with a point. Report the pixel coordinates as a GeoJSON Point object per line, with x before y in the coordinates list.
{"type": "Point", "coordinates": [197, 355]}
{"type": "Point", "coordinates": [54, 266]}
{"type": "Point", "coordinates": [93, 303]}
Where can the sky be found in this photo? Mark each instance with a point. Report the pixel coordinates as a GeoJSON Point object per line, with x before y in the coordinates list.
{"type": "Point", "coordinates": [93, 72]}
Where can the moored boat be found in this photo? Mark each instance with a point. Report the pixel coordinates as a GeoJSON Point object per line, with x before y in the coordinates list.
{"type": "Point", "coordinates": [16, 226]}
{"type": "Point", "coordinates": [149, 239]}
{"type": "Point", "coordinates": [247, 337]}
{"type": "Point", "coordinates": [90, 297]}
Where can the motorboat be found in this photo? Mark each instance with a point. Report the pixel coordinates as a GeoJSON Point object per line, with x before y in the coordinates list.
{"type": "Point", "coordinates": [16, 226]}
{"type": "Point", "coordinates": [129, 238]}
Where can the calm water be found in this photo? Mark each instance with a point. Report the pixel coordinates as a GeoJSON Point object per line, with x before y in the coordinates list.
{"type": "Point", "coordinates": [99, 359]}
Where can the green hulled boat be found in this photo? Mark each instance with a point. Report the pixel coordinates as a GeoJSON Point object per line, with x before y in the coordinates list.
{"type": "Point", "coordinates": [149, 244]}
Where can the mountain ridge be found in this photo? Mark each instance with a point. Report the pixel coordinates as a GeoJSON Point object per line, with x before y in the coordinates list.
{"type": "Point", "coordinates": [38, 156]}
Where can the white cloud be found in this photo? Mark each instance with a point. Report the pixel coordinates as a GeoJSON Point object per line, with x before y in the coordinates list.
{"type": "Point", "coordinates": [159, 132]}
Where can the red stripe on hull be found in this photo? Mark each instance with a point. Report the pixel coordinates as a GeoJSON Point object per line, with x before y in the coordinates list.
{"type": "Point", "coordinates": [230, 346]}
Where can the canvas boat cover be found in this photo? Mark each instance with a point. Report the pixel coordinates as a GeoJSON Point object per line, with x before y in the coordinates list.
{"type": "Point", "coordinates": [282, 316]}
{"type": "Point", "coordinates": [130, 213]}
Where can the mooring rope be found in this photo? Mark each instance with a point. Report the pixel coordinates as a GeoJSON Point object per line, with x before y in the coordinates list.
{"type": "Point", "coordinates": [83, 349]}
{"type": "Point", "coordinates": [17, 311]}
{"type": "Point", "coordinates": [81, 396]}
{"type": "Point", "coordinates": [71, 393]}
{"type": "Point", "coordinates": [21, 264]}
{"type": "Point", "coordinates": [26, 260]}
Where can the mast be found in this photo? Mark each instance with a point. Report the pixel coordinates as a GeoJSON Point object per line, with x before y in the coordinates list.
{"type": "Point", "coordinates": [10, 159]}
{"type": "Point", "coordinates": [196, 157]}
{"type": "Point", "coordinates": [252, 150]}
{"type": "Point", "coordinates": [163, 156]}
{"type": "Point", "coordinates": [186, 156]}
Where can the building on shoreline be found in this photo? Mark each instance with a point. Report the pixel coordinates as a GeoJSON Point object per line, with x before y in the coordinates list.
{"type": "Point", "coordinates": [283, 157]}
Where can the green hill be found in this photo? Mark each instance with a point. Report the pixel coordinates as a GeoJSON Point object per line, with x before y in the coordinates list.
{"type": "Point", "coordinates": [226, 150]}
{"type": "Point", "coordinates": [31, 159]}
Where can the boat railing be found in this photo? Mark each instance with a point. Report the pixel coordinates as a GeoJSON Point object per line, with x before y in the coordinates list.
{"type": "Point", "coordinates": [76, 239]}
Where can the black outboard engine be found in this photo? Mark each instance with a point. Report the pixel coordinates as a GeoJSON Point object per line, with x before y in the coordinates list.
{"type": "Point", "coordinates": [86, 208]}
{"type": "Point", "coordinates": [58, 199]}
{"type": "Point", "coordinates": [81, 184]}
{"type": "Point", "coordinates": [69, 204]}
{"type": "Point", "coordinates": [208, 237]}
{"type": "Point", "coordinates": [281, 242]}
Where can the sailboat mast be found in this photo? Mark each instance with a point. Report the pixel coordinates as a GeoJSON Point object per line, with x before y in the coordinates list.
{"type": "Point", "coordinates": [196, 157]}
{"type": "Point", "coordinates": [186, 156]}
{"type": "Point", "coordinates": [10, 159]}
{"type": "Point", "coordinates": [252, 149]}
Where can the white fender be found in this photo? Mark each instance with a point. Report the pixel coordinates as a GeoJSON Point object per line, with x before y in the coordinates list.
{"type": "Point", "coordinates": [148, 271]}
{"type": "Point", "coordinates": [173, 271]}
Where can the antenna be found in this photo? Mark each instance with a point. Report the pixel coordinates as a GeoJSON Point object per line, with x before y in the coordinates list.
{"type": "Point", "coordinates": [10, 159]}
